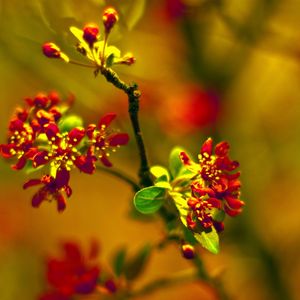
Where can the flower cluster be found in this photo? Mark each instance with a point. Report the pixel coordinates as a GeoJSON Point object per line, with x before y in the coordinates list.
{"type": "Point", "coordinates": [215, 188]}
{"type": "Point", "coordinates": [92, 45]}
{"type": "Point", "coordinates": [42, 134]}
{"type": "Point", "coordinates": [76, 274]}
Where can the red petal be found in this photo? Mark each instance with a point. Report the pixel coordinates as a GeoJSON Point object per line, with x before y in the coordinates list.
{"type": "Point", "coordinates": [207, 147]}
{"type": "Point", "coordinates": [214, 202]}
{"type": "Point", "coordinates": [76, 135]}
{"type": "Point", "coordinates": [85, 164]}
{"type": "Point", "coordinates": [118, 139]}
{"type": "Point", "coordinates": [31, 153]}
{"type": "Point", "coordinates": [38, 198]}
{"type": "Point", "coordinates": [39, 159]}
{"type": "Point", "coordinates": [105, 161]}
{"type": "Point", "coordinates": [62, 178]}
{"type": "Point", "coordinates": [20, 164]}
{"type": "Point", "coordinates": [90, 130]}
{"type": "Point", "coordinates": [185, 158]}
{"type": "Point", "coordinates": [234, 203]}
{"type": "Point", "coordinates": [51, 131]}
{"type": "Point", "coordinates": [219, 226]}
{"type": "Point", "coordinates": [68, 191]}
{"type": "Point", "coordinates": [222, 149]}
{"type": "Point", "coordinates": [5, 150]}
{"type": "Point", "coordinates": [61, 202]}
{"type": "Point", "coordinates": [31, 182]}
{"type": "Point", "coordinates": [232, 212]}
{"type": "Point", "coordinates": [106, 120]}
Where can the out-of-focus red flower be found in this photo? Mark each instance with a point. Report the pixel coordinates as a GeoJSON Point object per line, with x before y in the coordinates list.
{"type": "Point", "coordinates": [175, 9]}
{"type": "Point", "coordinates": [187, 111]}
{"type": "Point", "coordinates": [72, 274]}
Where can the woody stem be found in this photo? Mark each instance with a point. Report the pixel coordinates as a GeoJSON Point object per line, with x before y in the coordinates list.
{"type": "Point", "coordinates": [133, 95]}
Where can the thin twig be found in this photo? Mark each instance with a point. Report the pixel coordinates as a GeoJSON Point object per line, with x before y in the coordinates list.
{"type": "Point", "coordinates": [121, 175]}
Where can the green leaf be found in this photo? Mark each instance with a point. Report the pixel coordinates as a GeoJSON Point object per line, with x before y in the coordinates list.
{"type": "Point", "coordinates": [78, 33]}
{"type": "Point", "coordinates": [70, 122]}
{"type": "Point", "coordinates": [119, 261]}
{"type": "Point", "coordinates": [149, 199]}
{"type": "Point", "coordinates": [160, 173]}
{"type": "Point", "coordinates": [163, 184]}
{"type": "Point", "coordinates": [134, 266]}
{"type": "Point", "coordinates": [209, 240]}
{"type": "Point", "coordinates": [181, 205]}
{"type": "Point", "coordinates": [175, 164]}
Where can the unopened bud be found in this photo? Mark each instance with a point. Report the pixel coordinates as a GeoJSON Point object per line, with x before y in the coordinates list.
{"type": "Point", "coordinates": [110, 18]}
{"type": "Point", "coordinates": [128, 59]}
{"type": "Point", "coordinates": [188, 251]}
{"type": "Point", "coordinates": [90, 33]}
{"type": "Point", "coordinates": [51, 50]}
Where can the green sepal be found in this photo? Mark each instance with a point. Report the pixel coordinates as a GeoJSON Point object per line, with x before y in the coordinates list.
{"type": "Point", "coordinates": [29, 168]}
{"type": "Point", "coordinates": [69, 122]}
{"type": "Point", "coordinates": [136, 264]}
{"type": "Point", "coordinates": [218, 215]}
{"type": "Point", "coordinates": [119, 261]}
{"type": "Point", "coordinates": [209, 240]}
{"type": "Point", "coordinates": [149, 200]}
{"type": "Point", "coordinates": [160, 173]}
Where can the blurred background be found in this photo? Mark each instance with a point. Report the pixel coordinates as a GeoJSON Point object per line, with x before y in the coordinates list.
{"type": "Point", "coordinates": [229, 69]}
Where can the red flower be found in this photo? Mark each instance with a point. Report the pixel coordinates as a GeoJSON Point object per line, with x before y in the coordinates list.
{"type": "Point", "coordinates": [201, 212]}
{"type": "Point", "coordinates": [52, 190]}
{"type": "Point", "coordinates": [20, 143]}
{"type": "Point", "coordinates": [102, 139]}
{"type": "Point", "coordinates": [215, 185]}
{"type": "Point", "coordinates": [72, 274]}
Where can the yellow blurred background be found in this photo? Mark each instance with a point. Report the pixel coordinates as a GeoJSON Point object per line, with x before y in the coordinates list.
{"type": "Point", "coordinates": [240, 59]}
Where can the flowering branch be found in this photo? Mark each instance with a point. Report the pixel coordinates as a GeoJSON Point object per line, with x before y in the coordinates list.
{"type": "Point", "coordinates": [133, 95]}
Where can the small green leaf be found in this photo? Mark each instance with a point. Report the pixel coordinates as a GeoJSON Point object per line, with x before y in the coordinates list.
{"type": "Point", "coordinates": [209, 240]}
{"type": "Point", "coordinates": [181, 205]}
{"type": "Point", "coordinates": [134, 266]}
{"type": "Point", "coordinates": [175, 163]}
{"type": "Point", "coordinates": [70, 122]}
{"type": "Point", "coordinates": [112, 50]}
{"type": "Point", "coordinates": [78, 33]}
{"type": "Point", "coordinates": [149, 199]}
{"type": "Point", "coordinates": [109, 60]}
{"type": "Point", "coordinates": [163, 184]}
{"type": "Point", "coordinates": [119, 261]}
{"type": "Point", "coordinates": [160, 173]}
